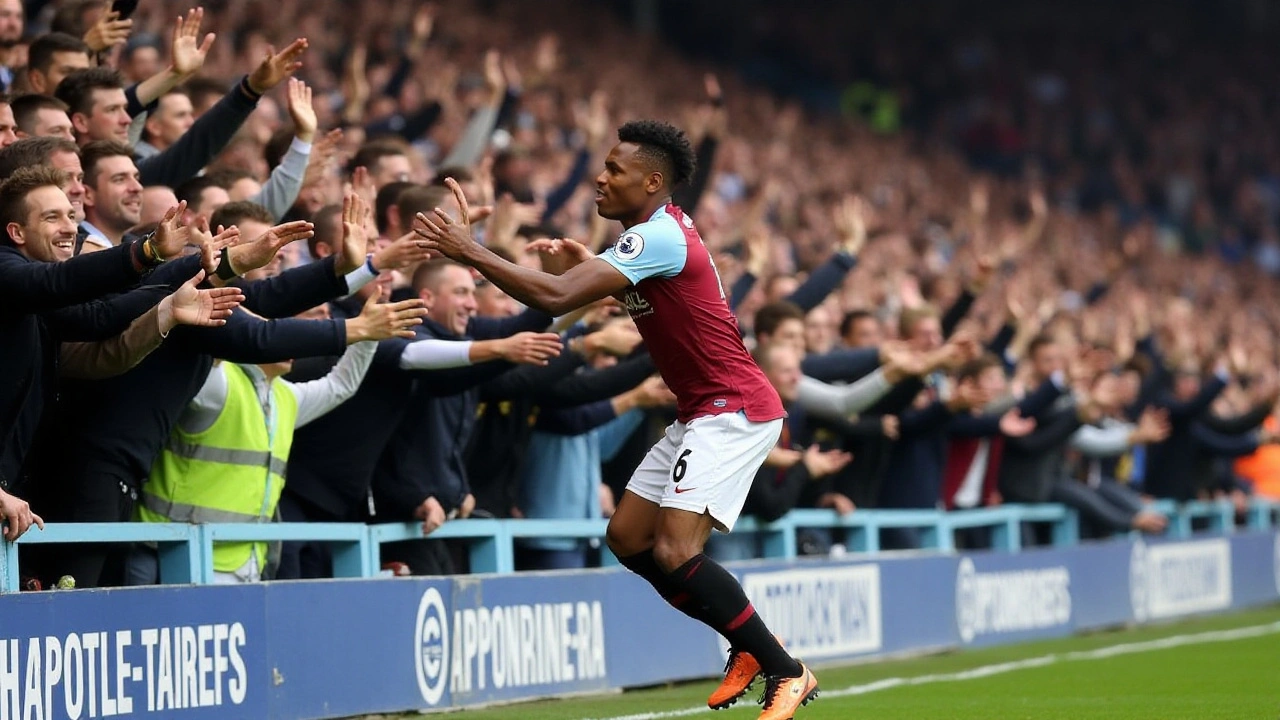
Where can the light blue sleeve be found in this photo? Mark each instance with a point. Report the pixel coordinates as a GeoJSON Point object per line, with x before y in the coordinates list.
{"type": "Point", "coordinates": [653, 249]}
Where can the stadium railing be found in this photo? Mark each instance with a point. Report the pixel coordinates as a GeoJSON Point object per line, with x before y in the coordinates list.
{"type": "Point", "coordinates": [186, 551]}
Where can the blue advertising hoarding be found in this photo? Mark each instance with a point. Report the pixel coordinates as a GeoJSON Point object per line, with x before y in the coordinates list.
{"type": "Point", "coordinates": [349, 647]}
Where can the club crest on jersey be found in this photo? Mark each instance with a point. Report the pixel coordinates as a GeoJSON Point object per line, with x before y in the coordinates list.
{"type": "Point", "coordinates": [636, 305]}
{"type": "Point", "coordinates": [629, 246]}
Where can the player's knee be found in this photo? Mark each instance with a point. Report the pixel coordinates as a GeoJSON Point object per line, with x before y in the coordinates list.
{"type": "Point", "coordinates": [671, 553]}
{"type": "Point", "coordinates": [622, 543]}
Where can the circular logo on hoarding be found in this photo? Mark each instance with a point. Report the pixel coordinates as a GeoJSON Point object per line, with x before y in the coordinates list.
{"type": "Point", "coordinates": [966, 602]}
{"type": "Point", "coordinates": [629, 246]}
{"type": "Point", "coordinates": [431, 646]}
{"type": "Point", "coordinates": [1138, 580]}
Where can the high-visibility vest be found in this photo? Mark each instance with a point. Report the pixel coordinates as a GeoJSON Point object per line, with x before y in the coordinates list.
{"type": "Point", "coordinates": [231, 473]}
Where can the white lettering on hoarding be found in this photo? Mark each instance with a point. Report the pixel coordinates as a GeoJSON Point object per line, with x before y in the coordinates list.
{"type": "Point", "coordinates": [1010, 601]}
{"type": "Point", "coordinates": [516, 646]}
{"type": "Point", "coordinates": [821, 613]}
{"type": "Point", "coordinates": [97, 674]}
{"type": "Point", "coordinates": [1174, 579]}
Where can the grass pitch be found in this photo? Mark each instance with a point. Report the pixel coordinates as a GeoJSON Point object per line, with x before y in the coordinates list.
{"type": "Point", "coordinates": [1219, 668]}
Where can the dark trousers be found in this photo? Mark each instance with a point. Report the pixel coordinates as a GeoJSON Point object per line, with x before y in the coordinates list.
{"type": "Point", "coordinates": [303, 560]}
{"type": "Point", "coordinates": [101, 498]}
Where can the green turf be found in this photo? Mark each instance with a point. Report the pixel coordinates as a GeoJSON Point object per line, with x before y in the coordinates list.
{"type": "Point", "coordinates": [1227, 680]}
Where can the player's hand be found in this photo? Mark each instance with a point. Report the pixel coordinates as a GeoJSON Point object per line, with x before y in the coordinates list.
{"type": "Point", "coordinates": [530, 348]}
{"type": "Point", "coordinates": [17, 516]}
{"type": "Point", "coordinates": [467, 507]}
{"type": "Point", "coordinates": [449, 237]}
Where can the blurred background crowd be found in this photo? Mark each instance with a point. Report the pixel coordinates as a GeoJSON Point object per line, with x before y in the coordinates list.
{"type": "Point", "coordinates": [1021, 252]}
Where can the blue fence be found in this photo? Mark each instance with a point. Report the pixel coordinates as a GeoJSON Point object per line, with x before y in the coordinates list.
{"type": "Point", "coordinates": [338, 648]}
{"type": "Point", "coordinates": [186, 551]}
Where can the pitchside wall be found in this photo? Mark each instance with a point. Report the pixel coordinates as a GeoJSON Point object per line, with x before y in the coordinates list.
{"type": "Point", "coordinates": [348, 647]}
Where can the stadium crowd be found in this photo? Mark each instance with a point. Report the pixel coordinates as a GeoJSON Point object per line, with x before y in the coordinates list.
{"type": "Point", "coordinates": [994, 277]}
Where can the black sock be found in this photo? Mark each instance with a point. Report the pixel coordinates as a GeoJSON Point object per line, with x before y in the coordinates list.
{"type": "Point", "coordinates": [644, 565]}
{"type": "Point", "coordinates": [726, 610]}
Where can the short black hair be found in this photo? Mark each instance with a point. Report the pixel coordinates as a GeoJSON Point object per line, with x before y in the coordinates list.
{"type": "Point", "coordinates": [76, 89]}
{"type": "Point", "coordinates": [40, 54]}
{"type": "Point", "coordinates": [665, 145]}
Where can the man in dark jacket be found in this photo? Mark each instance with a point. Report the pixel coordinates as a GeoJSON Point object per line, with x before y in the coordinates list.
{"type": "Point", "coordinates": [118, 426]}
{"type": "Point", "coordinates": [39, 295]}
{"type": "Point", "coordinates": [99, 111]}
{"type": "Point", "coordinates": [422, 472]}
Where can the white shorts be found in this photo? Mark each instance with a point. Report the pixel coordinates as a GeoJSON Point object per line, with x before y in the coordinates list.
{"type": "Point", "coordinates": [707, 465]}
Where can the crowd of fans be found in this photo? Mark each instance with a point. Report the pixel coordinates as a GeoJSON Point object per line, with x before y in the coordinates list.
{"type": "Point", "coordinates": [1028, 286]}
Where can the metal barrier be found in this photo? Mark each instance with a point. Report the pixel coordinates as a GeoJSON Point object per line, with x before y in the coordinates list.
{"type": "Point", "coordinates": [186, 551]}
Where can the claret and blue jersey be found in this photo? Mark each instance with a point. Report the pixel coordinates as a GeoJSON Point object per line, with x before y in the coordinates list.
{"type": "Point", "coordinates": [679, 306]}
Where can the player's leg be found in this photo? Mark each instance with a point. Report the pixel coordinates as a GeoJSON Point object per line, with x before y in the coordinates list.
{"type": "Point", "coordinates": [634, 521]}
{"type": "Point", "coordinates": [708, 485]}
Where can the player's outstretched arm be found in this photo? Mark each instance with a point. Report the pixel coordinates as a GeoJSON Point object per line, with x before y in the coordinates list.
{"type": "Point", "coordinates": [554, 294]}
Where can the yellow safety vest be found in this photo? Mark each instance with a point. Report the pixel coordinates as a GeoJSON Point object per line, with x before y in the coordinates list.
{"type": "Point", "coordinates": [231, 473]}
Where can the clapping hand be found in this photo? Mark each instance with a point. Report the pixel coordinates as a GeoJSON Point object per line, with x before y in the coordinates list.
{"type": "Point", "coordinates": [193, 306]}
{"type": "Point", "coordinates": [260, 251]}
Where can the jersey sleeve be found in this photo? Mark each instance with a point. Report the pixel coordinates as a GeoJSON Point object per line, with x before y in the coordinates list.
{"type": "Point", "coordinates": [653, 249]}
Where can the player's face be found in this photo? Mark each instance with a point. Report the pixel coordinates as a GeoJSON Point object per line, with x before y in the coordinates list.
{"type": "Point", "coordinates": [624, 187]}
{"type": "Point", "coordinates": [49, 233]}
